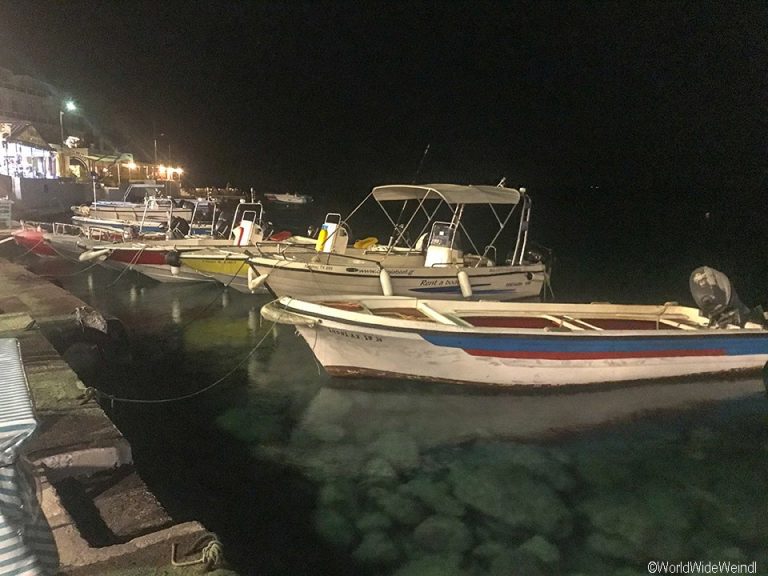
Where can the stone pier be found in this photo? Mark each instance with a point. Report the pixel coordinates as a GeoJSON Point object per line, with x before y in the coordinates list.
{"type": "Point", "coordinates": [104, 519]}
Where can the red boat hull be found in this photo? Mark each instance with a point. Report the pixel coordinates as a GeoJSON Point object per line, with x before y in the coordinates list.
{"type": "Point", "coordinates": [33, 241]}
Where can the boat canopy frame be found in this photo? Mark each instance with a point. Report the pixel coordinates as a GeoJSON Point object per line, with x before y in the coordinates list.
{"type": "Point", "coordinates": [456, 197]}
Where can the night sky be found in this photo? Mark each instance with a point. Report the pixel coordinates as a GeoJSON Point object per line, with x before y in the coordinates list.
{"type": "Point", "coordinates": [618, 112]}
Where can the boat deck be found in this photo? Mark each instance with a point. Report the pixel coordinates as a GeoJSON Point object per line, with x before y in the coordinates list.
{"type": "Point", "coordinates": [422, 312]}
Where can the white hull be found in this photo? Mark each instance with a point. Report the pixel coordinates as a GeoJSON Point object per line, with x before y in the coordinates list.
{"type": "Point", "coordinates": [288, 198]}
{"type": "Point", "coordinates": [237, 282]}
{"type": "Point", "coordinates": [162, 273]}
{"type": "Point", "coordinates": [347, 351]}
{"type": "Point", "coordinates": [509, 344]}
{"type": "Point", "coordinates": [138, 214]}
{"type": "Point", "coordinates": [66, 246]}
{"type": "Point", "coordinates": [301, 279]}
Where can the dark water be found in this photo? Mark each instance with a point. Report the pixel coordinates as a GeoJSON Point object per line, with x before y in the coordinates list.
{"type": "Point", "coordinates": [300, 474]}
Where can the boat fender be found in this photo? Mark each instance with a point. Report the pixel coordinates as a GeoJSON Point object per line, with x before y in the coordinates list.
{"type": "Point", "coordinates": [173, 259]}
{"type": "Point", "coordinates": [464, 284]}
{"type": "Point", "coordinates": [386, 283]}
{"type": "Point", "coordinates": [366, 243]}
{"type": "Point", "coordinates": [321, 238]}
{"type": "Point", "coordinates": [94, 254]}
{"type": "Point", "coordinates": [255, 282]}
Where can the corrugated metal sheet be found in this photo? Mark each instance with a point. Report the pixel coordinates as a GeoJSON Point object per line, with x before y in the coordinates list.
{"type": "Point", "coordinates": [27, 547]}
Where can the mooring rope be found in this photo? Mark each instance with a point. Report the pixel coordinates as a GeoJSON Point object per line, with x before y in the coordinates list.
{"type": "Point", "coordinates": [212, 554]}
{"type": "Point", "coordinates": [74, 273]}
{"type": "Point", "coordinates": [92, 392]}
{"type": "Point", "coordinates": [28, 251]}
{"type": "Point", "coordinates": [128, 267]}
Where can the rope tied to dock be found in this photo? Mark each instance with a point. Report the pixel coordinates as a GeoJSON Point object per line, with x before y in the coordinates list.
{"type": "Point", "coordinates": [212, 554]}
{"type": "Point", "coordinates": [92, 392]}
{"type": "Point", "coordinates": [32, 249]}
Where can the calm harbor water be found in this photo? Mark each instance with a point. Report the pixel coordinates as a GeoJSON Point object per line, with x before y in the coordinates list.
{"type": "Point", "coordinates": [301, 474]}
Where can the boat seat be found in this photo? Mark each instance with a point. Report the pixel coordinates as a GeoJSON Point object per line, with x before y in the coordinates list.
{"type": "Point", "coordinates": [534, 322]}
{"type": "Point", "coordinates": [477, 261]}
{"type": "Point", "coordinates": [402, 313]}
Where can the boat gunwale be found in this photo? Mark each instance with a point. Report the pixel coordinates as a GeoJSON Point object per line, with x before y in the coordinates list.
{"type": "Point", "coordinates": [475, 272]}
{"type": "Point", "coordinates": [315, 312]}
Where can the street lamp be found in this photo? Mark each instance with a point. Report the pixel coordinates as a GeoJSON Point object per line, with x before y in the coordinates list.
{"type": "Point", "coordinates": [156, 136]}
{"type": "Point", "coordinates": [70, 107]}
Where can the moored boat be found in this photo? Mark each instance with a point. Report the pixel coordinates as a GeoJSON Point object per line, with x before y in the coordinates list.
{"type": "Point", "coordinates": [289, 198]}
{"type": "Point", "coordinates": [141, 202]}
{"type": "Point", "coordinates": [510, 344]}
{"type": "Point", "coordinates": [32, 239]}
{"type": "Point", "coordinates": [229, 265]}
{"type": "Point", "coordinates": [424, 257]}
{"type": "Point", "coordinates": [222, 258]}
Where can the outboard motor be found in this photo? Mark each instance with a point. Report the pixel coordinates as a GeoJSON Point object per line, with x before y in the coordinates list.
{"type": "Point", "coordinates": [718, 301]}
{"type": "Point", "coordinates": [537, 253]}
{"type": "Point", "coordinates": [221, 228]}
{"type": "Point", "coordinates": [179, 227]}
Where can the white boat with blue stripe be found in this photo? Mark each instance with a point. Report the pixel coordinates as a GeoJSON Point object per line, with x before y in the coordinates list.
{"type": "Point", "coordinates": [530, 344]}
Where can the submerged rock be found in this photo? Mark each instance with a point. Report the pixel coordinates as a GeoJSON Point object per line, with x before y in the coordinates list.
{"type": "Point", "coordinates": [443, 534]}
{"type": "Point", "coordinates": [433, 565]}
{"type": "Point", "coordinates": [376, 548]}
{"type": "Point", "coordinates": [543, 463]}
{"type": "Point", "coordinates": [542, 549]}
{"type": "Point", "coordinates": [612, 546]}
{"type": "Point", "coordinates": [604, 471]}
{"type": "Point", "coordinates": [515, 498]}
{"type": "Point", "coordinates": [339, 495]}
{"type": "Point", "coordinates": [515, 563]}
{"type": "Point", "coordinates": [331, 461]}
{"type": "Point", "coordinates": [379, 469]}
{"type": "Point", "coordinates": [334, 528]}
{"type": "Point", "coordinates": [435, 495]}
{"type": "Point", "coordinates": [373, 521]}
{"type": "Point", "coordinates": [489, 549]}
{"type": "Point", "coordinates": [398, 449]}
{"type": "Point", "coordinates": [402, 510]}
{"type": "Point", "coordinates": [654, 522]}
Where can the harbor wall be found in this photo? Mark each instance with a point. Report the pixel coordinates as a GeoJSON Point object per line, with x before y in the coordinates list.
{"type": "Point", "coordinates": [98, 532]}
{"type": "Point", "coordinates": [41, 197]}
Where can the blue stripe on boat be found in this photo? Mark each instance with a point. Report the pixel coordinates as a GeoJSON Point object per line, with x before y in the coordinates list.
{"type": "Point", "coordinates": [735, 345]}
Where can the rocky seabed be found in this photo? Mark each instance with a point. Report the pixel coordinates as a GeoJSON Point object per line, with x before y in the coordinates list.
{"type": "Point", "coordinates": [597, 504]}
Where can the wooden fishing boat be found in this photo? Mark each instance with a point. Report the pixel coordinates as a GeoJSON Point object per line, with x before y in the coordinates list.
{"type": "Point", "coordinates": [425, 255]}
{"type": "Point", "coordinates": [523, 344]}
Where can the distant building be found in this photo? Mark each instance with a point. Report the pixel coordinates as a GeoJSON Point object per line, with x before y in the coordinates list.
{"type": "Point", "coordinates": [24, 153]}
{"type": "Point", "coordinates": [38, 139]}
{"type": "Point", "coordinates": [25, 99]}
{"type": "Point", "coordinates": [47, 159]}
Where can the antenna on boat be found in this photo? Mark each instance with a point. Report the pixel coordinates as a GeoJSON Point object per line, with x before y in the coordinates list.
{"type": "Point", "coordinates": [421, 164]}
{"type": "Point", "coordinates": [502, 182]}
